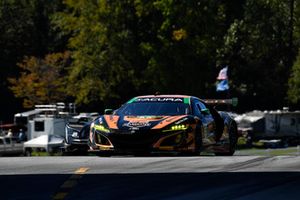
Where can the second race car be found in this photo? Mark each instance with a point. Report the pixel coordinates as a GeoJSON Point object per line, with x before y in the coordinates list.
{"type": "Point", "coordinates": [77, 132]}
{"type": "Point", "coordinates": [164, 123]}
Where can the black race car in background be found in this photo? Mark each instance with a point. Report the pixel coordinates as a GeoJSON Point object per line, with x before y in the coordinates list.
{"type": "Point", "coordinates": [165, 123]}
{"type": "Point", "coordinates": [77, 132]}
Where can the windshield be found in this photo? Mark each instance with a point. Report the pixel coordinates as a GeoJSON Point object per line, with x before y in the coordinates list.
{"type": "Point", "coordinates": [154, 108]}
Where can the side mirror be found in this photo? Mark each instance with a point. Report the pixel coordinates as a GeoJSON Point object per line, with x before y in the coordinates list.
{"type": "Point", "coordinates": [197, 119]}
{"type": "Point", "coordinates": [205, 111]}
{"type": "Point", "coordinates": [108, 111]}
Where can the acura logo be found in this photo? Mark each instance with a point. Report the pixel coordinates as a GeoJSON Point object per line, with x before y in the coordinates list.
{"type": "Point", "coordinates": [137, 124]}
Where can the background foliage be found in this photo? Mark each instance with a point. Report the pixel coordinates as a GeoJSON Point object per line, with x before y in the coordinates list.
{"type": "Point", "coordinates": [120, 49]}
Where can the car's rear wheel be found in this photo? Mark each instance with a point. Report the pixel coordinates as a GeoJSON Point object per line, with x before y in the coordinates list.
{"type": "Point", "coordinates": [232, 142]}
{"type": "Point", "coordinates": [198, 140]}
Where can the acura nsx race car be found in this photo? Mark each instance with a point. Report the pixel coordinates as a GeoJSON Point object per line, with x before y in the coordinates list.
{"type": "Point", "coordinates": [165, 123]}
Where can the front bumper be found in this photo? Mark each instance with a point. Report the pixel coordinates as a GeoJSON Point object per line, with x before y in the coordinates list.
{"type": "Point", "coordinates": [143, 141]}
{"type": "Point", "coordinates": [77, 144]}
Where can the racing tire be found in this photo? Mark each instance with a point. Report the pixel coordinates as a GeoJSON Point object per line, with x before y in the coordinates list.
{"type": "Point", "coordinates": [104, 154]}
{"type": "Point", "coordinates": [198, 140]}
{"type": "Point", "coordinates": [232, 142]}
{"type": "Point", "coordinates": [141, 154]}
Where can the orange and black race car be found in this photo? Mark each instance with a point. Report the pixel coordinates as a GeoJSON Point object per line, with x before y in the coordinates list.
{"type": "Point", "coordinates": [165, 123]}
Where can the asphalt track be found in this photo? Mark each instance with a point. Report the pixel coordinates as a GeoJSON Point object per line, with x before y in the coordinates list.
{"type": "Point", "coordinates": [203, 177]}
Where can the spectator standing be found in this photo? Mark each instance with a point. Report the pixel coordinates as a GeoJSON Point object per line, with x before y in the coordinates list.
{"type": "Point", "coordinates": [22, 136]}
{"type": "Point", "coordinates": [9, 133]}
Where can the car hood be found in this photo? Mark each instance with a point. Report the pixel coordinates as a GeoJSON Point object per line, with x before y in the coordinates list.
{"type": "Point", "coordinates": [139, 122]}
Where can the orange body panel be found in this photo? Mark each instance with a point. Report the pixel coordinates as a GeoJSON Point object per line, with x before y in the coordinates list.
{"type": "Point", "coordinates": [112, 121]}
{"type": "Point", "coordinates": [168, 120]}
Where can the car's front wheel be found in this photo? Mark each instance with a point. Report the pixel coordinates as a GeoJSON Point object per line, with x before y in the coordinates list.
{"type": "Point", "coordinates": [232, 142]}
{"type": "Point", "coordinates": [198, 140]}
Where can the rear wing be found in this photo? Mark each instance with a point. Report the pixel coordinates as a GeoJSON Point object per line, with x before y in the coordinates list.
{"type": "Point", "coordinates": [233, 101]}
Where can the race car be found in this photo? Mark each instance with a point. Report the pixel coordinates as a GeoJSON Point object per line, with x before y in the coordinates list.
{"type": "Point", "coordinates": [165, 123]}
{"type": "Point", "coordinates": [77, 132]}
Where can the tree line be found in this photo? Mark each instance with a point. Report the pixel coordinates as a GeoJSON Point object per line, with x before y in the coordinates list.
{"type": "Point", "coordinates": [100, 53]}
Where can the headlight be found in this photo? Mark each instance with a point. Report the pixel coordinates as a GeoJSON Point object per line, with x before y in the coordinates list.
{"type": "Point", "coordinates": [101, 128]}
{"type": "Point", "coordinates": [71, 132]}
{"type": "Point", "coordinates": [179, 127]}
{"type": "Point", "coordinates": [75, 134]}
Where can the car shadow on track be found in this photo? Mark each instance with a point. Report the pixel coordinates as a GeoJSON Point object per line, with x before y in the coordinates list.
{"type": "Point", "coordinates": [235, 185]}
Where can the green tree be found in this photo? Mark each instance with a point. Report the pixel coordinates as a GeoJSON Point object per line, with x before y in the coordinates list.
{"type": "Point", "coordinates": [25, 30]}
{"type": "Point", "coordinates": [293, 93]}
{"type": "Point", "coordinates": [124, 48]}
{"type": "Point", "coordinates": [42, 81]}
{"type": "Point", "coordinates": [294, 82]}
{"type": "Point", "coordinates": [189, 33]}
{"type": "Point", "coordinates": [259, 52]}
{"type": "Point", "coordinates": [103, 47]}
